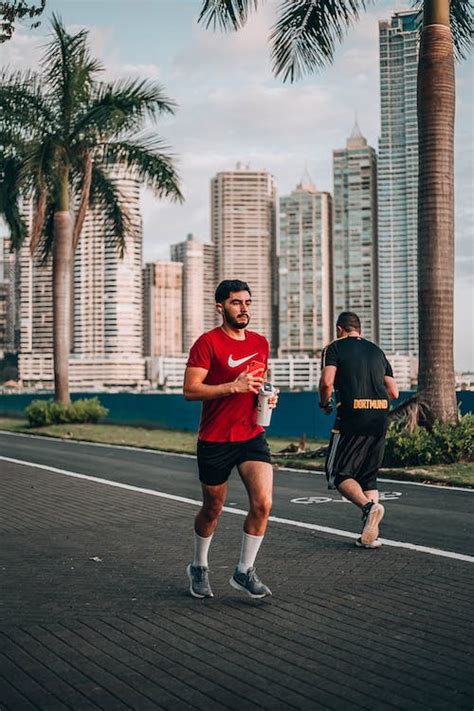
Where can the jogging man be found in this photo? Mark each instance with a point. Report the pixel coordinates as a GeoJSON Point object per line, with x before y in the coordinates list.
{"type": "Point", "coordinates": [225, 369]}
{"type": "Point", "coordinates": [364, 384]}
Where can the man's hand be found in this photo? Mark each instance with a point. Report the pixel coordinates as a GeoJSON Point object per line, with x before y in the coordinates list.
{"type": "Point", "coordinates": [247, 383]}
{"type": "Point", "coordinates": [326, 407]}
{"type": "Point", "coordinates": [273, 400]}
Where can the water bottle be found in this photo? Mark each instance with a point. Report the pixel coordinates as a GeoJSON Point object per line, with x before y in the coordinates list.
{"type": "Point", "coordinates": [264, 411]}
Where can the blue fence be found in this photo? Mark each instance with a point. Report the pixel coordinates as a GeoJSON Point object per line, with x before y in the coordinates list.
{"type": "Point", "coordinates": [297, 413]}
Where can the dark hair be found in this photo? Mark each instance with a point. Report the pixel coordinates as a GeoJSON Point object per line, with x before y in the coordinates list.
{"type": "Point", "coordinates": [349, 321]}
{"type": "Point", "coordinates": [227, 286]}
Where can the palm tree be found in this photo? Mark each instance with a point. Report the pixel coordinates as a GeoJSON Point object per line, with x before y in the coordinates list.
{"type": "Point", "coordinates": [303, 40]}
{"type": "Point", "coordinates": [63, 136]}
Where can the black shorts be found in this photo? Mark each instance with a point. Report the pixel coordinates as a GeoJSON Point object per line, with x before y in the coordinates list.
{"type": "Point", "coordinates": [217, 459]}
{"type": "Point", "coordinates": [356, 457]}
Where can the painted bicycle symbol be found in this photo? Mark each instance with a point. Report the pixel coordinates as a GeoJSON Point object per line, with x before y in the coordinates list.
{"type": "Point", "coordinates": [384, 496]}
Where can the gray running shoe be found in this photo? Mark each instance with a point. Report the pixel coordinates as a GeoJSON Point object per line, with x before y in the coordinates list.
{"type": "Point", "coordinates": [374, 544]}
{"type": "Point", "coordinates": [372, 514]}
{"type": "Point", "coordinates": [199, 581]}
{"type": "Point", "coordinates": [249, 583]}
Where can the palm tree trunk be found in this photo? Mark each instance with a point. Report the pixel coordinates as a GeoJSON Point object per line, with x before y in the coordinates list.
{"type": "Point", "coordinates": [62, 281]}
{"type": "Point", "coordinates": [436, 103]}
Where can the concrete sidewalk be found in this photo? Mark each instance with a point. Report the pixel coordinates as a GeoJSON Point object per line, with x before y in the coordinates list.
{"type": "Point", "coordinates": [95, 612]}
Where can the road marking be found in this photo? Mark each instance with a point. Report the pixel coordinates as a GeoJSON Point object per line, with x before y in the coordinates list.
{"type": "Point", "coordinates": [240, 512]}
{"type": "Point", "coordinates": [62, 440]}
{"type": "Point", "coordinates": [383, 495]}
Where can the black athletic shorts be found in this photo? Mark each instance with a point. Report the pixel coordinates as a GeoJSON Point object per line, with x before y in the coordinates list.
{"type": "Point", "coordinates": [217, 459]}
{"type": "Point", "coordinates": [356, 457]}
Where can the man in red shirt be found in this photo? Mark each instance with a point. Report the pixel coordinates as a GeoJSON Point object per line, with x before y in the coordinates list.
{"type": "Point", "coordinates": [225, 370]}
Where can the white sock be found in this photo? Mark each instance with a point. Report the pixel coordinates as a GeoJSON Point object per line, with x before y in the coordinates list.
{"type": "Point", "coordinates": [248, 552]}
{"type": "Point", "coordinates": [201, 548]}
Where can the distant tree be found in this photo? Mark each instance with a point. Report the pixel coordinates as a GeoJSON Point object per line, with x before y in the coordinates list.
{"type": "Point", "coordinates": [17, 10]}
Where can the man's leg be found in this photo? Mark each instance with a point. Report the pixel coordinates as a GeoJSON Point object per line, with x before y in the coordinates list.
{"type": "Point", "coordinates": [352, 490]}
{"type": "Point", "coordinates": [258, 480]}
{"type": "Point", "coordinates": [213, 499]}
{"type": "Point", "coordinates": [373, 495]}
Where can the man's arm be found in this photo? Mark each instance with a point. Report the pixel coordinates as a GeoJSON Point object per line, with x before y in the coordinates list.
{"type": "Point", "coordinates": [196, 389]}
{"type": "Point", "coordinates": [326, 385]}
{"type": "Point", "coordinates": [391, 387]}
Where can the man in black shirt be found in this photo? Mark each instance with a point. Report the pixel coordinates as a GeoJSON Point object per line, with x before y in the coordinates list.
{"type": "Point", "coordinates": [362, 378]}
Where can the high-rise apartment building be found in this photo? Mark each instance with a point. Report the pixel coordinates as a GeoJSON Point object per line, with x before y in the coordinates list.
{"type": "Point", "coordinates": [355, 232]}
{"type": "Point", "coordinates": [162, 309]}
{"type": "Point", "coordinates": [108, 286]}
{"type": "Point", "coordinates": [398, 184]}
{"type": "Point", "coordinates": [3, 298]}
{"type": "Point", "coordinates": [106, 311]}
{"type": "Point", "coordinates": [10, 276]}
{"type": "Point", "coordinates": [243, 228]}
{"type": "Point", "coordinates": [199, 281]}
{"type": "Point", "coordinates": [305, 284]}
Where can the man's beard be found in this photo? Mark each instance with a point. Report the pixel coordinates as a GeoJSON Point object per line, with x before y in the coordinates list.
{"type": "Point", "coordinates": [238, 323]}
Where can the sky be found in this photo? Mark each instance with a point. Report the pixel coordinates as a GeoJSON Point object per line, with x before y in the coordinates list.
{"type": "Point", "coordinates": [231, 108]}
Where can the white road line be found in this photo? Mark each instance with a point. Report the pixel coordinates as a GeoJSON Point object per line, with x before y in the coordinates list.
{"type": "Point", "coordinates": [62, 440]}
{"type": "Point", "coordinates": [241, 512]}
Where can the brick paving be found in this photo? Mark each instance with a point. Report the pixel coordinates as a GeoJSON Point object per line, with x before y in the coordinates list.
{"type": "Point", "coordinates": [95, 612]}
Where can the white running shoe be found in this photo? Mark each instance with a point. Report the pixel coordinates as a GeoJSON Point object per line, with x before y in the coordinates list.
{"type": "Point", "coordinates": [372, 514]}
{"type": "Point", "coordinates": [374, 544]}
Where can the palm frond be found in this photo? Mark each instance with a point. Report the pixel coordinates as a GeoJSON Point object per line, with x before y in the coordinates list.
{"type": "Point", "coordinates": [226, 14]}
{"type": "Point", "coordinates": [69, 69]}
{"type": "Point", "coordinates": [145, 157]}
{"type": "Point", "coordinates": [106, 198]}
{"type": "Point", "coordinates": [39, 219]}
{"type": "Point", "coordinates": [10, 194]}
{"type": "Point", "coordinates": [84, 198]}
{"type": "Point", "coordinates": [306, 32]}
{"type": "Point", "coordinates": [45, 248]}
{"type": "Point", "coordinates": [123, 106]}
{"type": "Point", "coordinates": [23, 103]}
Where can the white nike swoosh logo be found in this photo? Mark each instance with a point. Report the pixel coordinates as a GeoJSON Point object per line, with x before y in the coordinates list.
{"type": "Point", "coordinates": [234, 363]}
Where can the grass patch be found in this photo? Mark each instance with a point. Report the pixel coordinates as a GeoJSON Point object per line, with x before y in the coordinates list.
{"type": "Point", "coordinates": [166, 440]}
{"type": "Point", "coordinates": [185, 442]}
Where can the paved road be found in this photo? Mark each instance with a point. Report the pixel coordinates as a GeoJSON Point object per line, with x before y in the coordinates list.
{"type": "Point", "coordinates": [95, 612]}
{"type": "Point", "coordinates": [427, 516]}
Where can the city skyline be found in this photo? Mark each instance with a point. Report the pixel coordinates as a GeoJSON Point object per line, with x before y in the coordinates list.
{"type": "Point", "coordinates": [229, 112]}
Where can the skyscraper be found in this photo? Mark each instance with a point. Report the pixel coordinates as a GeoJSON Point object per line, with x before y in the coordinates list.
{"type": "Point", "coordinates": [108, 287]}
{"type": "Point", "coordinates": [11, 280]}
{"type": "Point", "coordinates": [305, 310]}
{"type": "Point", "coordinates": [355, 231]}
{"type": "Point", "coordinates": [199, 281]}
{"type": "Point", "coordinates": [106, 318]}
{"type": "Point", "coordinates": [162, 309]}
{"type": "Point", "coordinates": [243, 224]}
{"type": "Point", "coordinates": [3, 298]}
{"type": "Point", "coordinates": [398, 184]}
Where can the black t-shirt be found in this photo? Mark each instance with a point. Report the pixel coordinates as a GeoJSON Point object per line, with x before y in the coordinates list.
{"type": "Point", "coordinates": [362, 400]}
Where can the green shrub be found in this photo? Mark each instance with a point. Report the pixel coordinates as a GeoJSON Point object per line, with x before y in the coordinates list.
{"type": "Point", "coordinates": [38, 413]}
{"type": "Point", "coordinates": [86, 410]}
{"type": "Point", "coordinates": [41, 413]}
{"type": "Point", "coordinates": [57, 412]}
{"type": "Point", "coordinates": [444, 444]}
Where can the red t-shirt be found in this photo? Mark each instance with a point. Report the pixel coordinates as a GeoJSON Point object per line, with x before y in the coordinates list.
{"type": "Point", "coordinates": [232, 418]}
